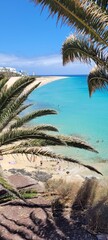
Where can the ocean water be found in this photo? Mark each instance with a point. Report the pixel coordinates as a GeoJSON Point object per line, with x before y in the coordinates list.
{"type": "Point", "coordinates": [78, 114]}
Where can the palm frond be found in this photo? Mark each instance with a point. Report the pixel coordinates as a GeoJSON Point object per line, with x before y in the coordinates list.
{"type": "Point", "coordinates": [46, 127]}
{"type": "Point", "coordinates": [78, 14]}
{"type": "Point", "coordinates": [22, 108]}
{"type": "Point", "coordinates": [77, 143]}
{"type": "Point", "coordinates": [9, 188]}
{"type": "Point", "coordinates": [82, 48]}
{"type": "Point", "coordinates": [22, 134]}
{"type": "Point", "coordinates": [42, 152]}
{"type": "Point", "coordinates": [12, 108]}
{"type": "Point", "coordinates": [3, 81]}
{"type": "Point", "coordinates": [6, 95]}
{"type": "Point", "coordinates": [102, 3]}
{"type": "Point", "coordinates": [96, 18]}
{"type": "Point", "coordinates": [14, 135]}
{"type": "Point", "coordinates": [38, 128]}
{"type": "Point", "coordinates": [31, 116]}
{"type": "Point", "coordinates": [97, 79]}
{"type": "Point", "coordinates": [28, 143]}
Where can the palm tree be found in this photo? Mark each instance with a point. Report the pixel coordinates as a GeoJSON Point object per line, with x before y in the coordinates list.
{"type": "Point", "coordinates": [16, 136]}
{"type": "Point", "coordinates": [90, 42]}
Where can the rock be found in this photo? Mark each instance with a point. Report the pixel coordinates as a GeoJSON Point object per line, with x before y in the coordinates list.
{"type": "Point", "coordinates": [20, 181]}
{"type": "Point", "coordinates": [41, 176]}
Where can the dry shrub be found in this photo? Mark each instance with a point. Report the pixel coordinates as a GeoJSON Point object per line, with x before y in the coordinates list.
{"type": "Point", "coordinates": [98, 217]}
{"type": "Point", "coordinates": [92, 191]}
{"type": "Point", "coordinates": [86, 194]}
{"type": "Point", "coordinates": [93, 196]}
{"type": "Point", "coordinates": [101, 192]}
{"type": "Point", "coordinates": [66, 191]}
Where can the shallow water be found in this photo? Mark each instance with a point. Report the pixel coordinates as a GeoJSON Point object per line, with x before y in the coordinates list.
{"type": "Point", "coordinates": [78, 114]}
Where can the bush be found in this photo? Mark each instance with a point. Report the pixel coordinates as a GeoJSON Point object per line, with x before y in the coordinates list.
{"type": "Point", "coordinates": [66, 191]}
{"type": "Point", "coordinates": [98, 217]}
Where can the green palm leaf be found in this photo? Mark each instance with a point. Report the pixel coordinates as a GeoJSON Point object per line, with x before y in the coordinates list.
{"type": "Point", "coordinates": [12, 108]}
{"type": "Point", "coordinates": [42, 152]}
{"type": "Point", "coordinates": [78, 14]}
{"type": "Point", "coordinates": [9, 137]}
{"type": "Point", "coordinates": [97, 79]}
{"type": "Point", "coordinates": [11, 189]}
{"type": "Point", "coordinates": [22, 134]}
{"type": "Point", "coordinates": [31, 116]}
{"type": "Point", "coordinates": [76, 142]}
{"type": "Point", "coordinates": [102, 3]}
{"type": "Point", "coordinates": [82, 49]}
{"type": "Point", "coordinates": [8, 94]}
{"type": "Point", "coordinates": [3, 81]}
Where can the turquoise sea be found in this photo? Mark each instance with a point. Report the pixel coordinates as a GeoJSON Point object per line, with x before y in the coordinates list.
{"type": "Point", "coordinates": [78, 114]}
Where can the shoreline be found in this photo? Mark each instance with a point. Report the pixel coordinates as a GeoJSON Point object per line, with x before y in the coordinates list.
{"type": "Point", "coordinates": [44, 80]}
{"type": "Point", "coordinates": [49, 79]}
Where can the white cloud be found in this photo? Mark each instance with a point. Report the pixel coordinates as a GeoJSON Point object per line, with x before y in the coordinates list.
{"type": "Point", "coordinates": [21, 61]}
{"type": "Point", "coordinates": [42, 65]}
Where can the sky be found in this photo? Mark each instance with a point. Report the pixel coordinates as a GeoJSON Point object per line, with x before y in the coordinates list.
{"type": "Point", "coordinates": [31, 41]}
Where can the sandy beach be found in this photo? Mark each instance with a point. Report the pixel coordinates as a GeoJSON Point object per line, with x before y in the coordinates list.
{"type": "Point", "coordinates": [57, 169]}
{"type": "Point", "coordinates": [43, 80]}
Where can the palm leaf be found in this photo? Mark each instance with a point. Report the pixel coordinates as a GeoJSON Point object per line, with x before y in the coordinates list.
{"type": "Point", "coordinates": [97, 79]}
{"type": "Point", "coordinates": [22, 108]}
{"type": "Point", "coordinates": [6, 95]}
{"type": "Point", "coordinates": [23, 134]}
{"type": "Point", "coordinates": [102, 3]}
{"type": "Point", "coordinates": [12, 108]}
{"type": "Point", "coordinates": [3, 81]}
{"type": "Point", "coordinates": [82, 49]}
{"type": "Point", "coordinates": [45, 127]}
{"type": "Point", "coordinates": [76, 142]}
{"type": "Point", "coordinates": [78, 14]}
{"type": "Point", "coordinates": [41, 152]}
{"type": "Point", "coordinates": [9, 188]}
{"type": "Point", "coordinates": [96, 18]}
{"type": "Point", "coordinates": [31, 116]}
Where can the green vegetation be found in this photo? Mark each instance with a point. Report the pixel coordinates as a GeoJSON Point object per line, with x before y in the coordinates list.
{"type": "Point", "coordinates": [90, 42]}
{"type": "Point", "coordinates": [28, 194]}
{"type": "Point", "coordinates": [24, 194]}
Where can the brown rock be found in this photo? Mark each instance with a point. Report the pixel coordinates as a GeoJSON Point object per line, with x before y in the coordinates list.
{"type": "Point", "coordinates": [20, 181]}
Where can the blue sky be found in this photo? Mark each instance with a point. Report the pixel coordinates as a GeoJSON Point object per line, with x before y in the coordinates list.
{"type": "Point", "coordinates": [30, 41]}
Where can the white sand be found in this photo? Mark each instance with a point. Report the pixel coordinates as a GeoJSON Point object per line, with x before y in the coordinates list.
{"type": "Point", "coordinates": [42, 80]}
{"type": "Point", "coordinates": [59, 169]}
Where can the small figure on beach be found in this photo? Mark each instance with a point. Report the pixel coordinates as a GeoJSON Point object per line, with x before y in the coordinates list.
{"type": "Point", "coordinates": [41, 163]}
